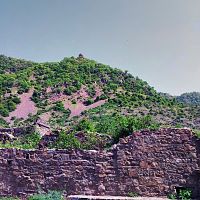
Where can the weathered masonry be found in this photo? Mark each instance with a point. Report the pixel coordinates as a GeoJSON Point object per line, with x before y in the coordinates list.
{"type": "Point", "coordinates": [150, 163]}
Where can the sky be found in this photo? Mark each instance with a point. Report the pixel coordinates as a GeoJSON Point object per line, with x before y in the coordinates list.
{"type": "Point", "coordinates": [156, 40]}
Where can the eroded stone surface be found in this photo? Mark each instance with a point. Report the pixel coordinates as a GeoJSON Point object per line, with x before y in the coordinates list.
{"type": "Point", "coordinates": [149, 163]}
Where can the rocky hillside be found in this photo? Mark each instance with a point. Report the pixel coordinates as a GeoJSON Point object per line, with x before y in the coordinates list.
{"type": "Point", "coordinates": [81, 95]}
{"type": "Point", "coordinates": [191, 98]}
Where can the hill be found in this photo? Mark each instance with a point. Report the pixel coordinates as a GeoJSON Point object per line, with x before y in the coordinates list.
{"type": "Point", "coordinates": [82, 97]}
{"type": "Point", "coordinates": [191, 98]}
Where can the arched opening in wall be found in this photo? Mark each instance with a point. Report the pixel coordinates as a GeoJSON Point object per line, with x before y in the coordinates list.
{"type": "Point", "coordinates": [183, 192]}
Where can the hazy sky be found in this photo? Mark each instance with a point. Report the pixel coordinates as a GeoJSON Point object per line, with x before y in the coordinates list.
{"type": "Point", "coordinates": [157, 40]}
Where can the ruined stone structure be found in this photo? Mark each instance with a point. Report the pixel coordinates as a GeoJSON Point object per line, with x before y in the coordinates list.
{"type": "Point", "coordinates": [10, 134]}
{"type": "Point", "coordinates": [17, 131]}
{"type": "Point", "coordinates": [150, 163]}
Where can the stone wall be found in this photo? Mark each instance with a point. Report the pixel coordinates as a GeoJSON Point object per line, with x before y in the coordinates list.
{"type": "Point", "coordinates": [150, 163]}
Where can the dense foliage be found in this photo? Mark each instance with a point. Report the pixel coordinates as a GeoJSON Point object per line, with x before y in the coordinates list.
{"type": "Point", "coordinates": [114, 126]}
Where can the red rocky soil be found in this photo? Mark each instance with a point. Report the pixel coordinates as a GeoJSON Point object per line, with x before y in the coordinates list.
{"type": "Point", "coordinates": [24, 108]}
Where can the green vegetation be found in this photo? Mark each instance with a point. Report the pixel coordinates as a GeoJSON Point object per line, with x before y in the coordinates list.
{"type": "Point", "coordinates": [172, 196]}
{"type": "Point", "coordinates": [73, 101]}
{"type": "Point", "coordinates": [3, 123]}
{"type": "Point", "coordinates": [9, 105]}
{"type": "Point", "coordinates": [51, 195]}
{"type": "Point", "coordinates": [117, 125]}
{"type": "Point", "coordinates": [59, 106]}
{"type": "Point", "coordinates": [28, 141]}
{"type": "Point", "coordinates": [9, 198]}
{"type": "Point", "coordinates": [66, 141]}
{"type": "Point", "coordinates": [89, 102]}
{"type": "Point", "coordinates": [191, 98]}
{"type": "Point", "coordinates": [183, 194]}
{"type": "Point", "coordinates": [130, 103]}
{"type": "Point", "coordinates": [69, 75]}
{"type": "Point", "coordinates": [133, 194]}
{"type": "Point", "coordinates": [114, 126]}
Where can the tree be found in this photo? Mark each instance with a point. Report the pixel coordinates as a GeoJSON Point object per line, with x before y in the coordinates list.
{"type": "Point", "coordinates": [86, 125]}
{"type": "Point", "coordinates": [66, 141]}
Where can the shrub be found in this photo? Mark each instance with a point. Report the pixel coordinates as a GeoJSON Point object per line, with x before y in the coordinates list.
{"type": "Point", "coordinates": [73, 101]}
{"type": "Point", "coordinates": [16, 99]}
{"type": "Point", "coordinates": [85, 125]}
{"type": "Point", "coordinates": [126, 125]}
{"type": "Point", "coordinates": [89, 102]}
{"type": "Point", "coordinates": [185, 194]}
{"type": "Point", "coordinates": [91, 91]}
{"type": "Point", "coordinates": [133, 194]}
{"type": "Point", "coordinates": [27, 141]}
{"type": "Point", "coordinates": [67, 112]}
{"type": "Point", "coordinates": [30, 141]}
{"type": "Point", "coordinates": [59, 106]}
{"type": "Point", "coordinates": [197, 132]}
{"type": "Point", "coordinates": [67, 91]}
{"type": "Point", "coordinates": [11, 105]}
{"type": "Point", "coordinates": [103, 97]}
{"type": "Point", "coordinates": [3, 123]}
{"type": "Point", "coordinates": [172, 196]}
{"type": "Point", "coordinates": [36, 96]}
{"type": "Point", "coordinates": [182, 194]}
{"type": "Point", "coordinates": [66, 141]}
{"type": "Point", "coordinates": [4, 112]}
{"type": "Point", "coordinates": [51, 195]}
